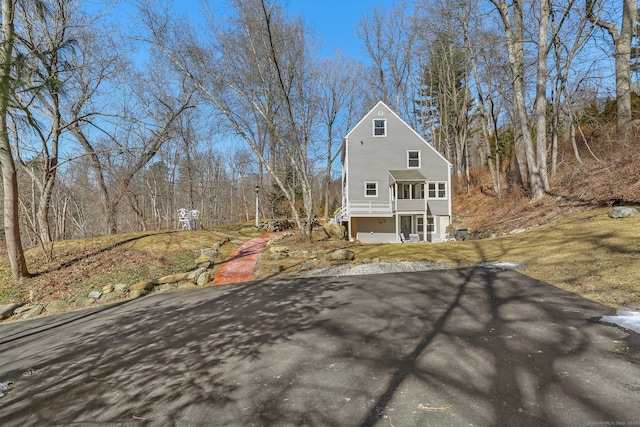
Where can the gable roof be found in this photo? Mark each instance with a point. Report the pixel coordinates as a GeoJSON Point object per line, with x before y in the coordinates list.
{"type": "Point", "coordinates": [380, 103]}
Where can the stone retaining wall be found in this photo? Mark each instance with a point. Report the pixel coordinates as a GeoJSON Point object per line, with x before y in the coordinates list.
{"type": "Point", "coordinates": [199, 276]}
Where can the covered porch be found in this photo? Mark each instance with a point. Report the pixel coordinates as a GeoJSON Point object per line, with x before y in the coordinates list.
{"type": "Point", "coordinates": [410, 206]}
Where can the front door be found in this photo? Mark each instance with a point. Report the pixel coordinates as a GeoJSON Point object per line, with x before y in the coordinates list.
{"type": "Point", "coordinates": [405, 226]}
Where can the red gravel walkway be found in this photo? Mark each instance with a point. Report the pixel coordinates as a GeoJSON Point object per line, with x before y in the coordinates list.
{"type": "Point", "coordinates": [242, 261]}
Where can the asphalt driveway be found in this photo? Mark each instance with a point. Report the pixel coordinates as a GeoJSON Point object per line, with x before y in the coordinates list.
{"type": "Point", "coordinates": [445, 348]}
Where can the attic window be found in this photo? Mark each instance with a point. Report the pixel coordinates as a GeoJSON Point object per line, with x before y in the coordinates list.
{"type": "Point", "coordinates": [379, 127]}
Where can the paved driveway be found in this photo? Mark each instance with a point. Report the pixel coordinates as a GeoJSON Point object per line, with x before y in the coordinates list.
{"type": "Point", "coordinates": [447, 348]}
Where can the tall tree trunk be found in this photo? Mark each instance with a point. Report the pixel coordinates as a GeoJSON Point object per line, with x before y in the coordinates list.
{"type": "Point", "coordinates": [572, 136]}
{"type": "Point", "coordinates": [486, 132]}
{"type": "Point", "coordinates": [514, 31]}
{"type": "Point", "coordinates": [540, 104]}
{"type": "Point", "coordinates": [11, 216]}
{"type": "Point", "coordinates": [622, 47]}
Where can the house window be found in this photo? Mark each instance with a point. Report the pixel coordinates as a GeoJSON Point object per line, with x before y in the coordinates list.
{"type": "Point", "coordinates": [379, 127]}
{"type": "Point", "coordinates": [437, 190]}
{"type": "Point", "coordinates": [430, 224]}
{"type": "Point", "coordinates": [405, 191]}
{"type": "Point", "coordinates": [371, 189]}
{"type": "Point", "coordinates": [418, 191]}
{"type": "Point", "coordinates": [411, 191]}
{"type": "Point", "coordinates": [413, 159]}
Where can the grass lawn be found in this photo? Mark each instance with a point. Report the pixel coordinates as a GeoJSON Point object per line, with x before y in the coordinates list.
{"type": "Point", "coordinates": [588, 254]}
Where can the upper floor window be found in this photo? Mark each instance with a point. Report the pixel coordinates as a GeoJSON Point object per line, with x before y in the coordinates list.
{"type": "Point", "coordinates": [379, 127]}
{"type": "Point", "coordinates": [413, 159]}
{"type": "Point", "coordinates": [371, 189]}
{"type": "Point", "coordinates": [411, 191]}
{"type": "Point", "coordinates": [437, 190]}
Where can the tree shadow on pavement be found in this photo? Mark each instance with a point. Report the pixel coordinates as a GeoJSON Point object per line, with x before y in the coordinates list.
{"type": "Point", "coordinates": [431, 348]}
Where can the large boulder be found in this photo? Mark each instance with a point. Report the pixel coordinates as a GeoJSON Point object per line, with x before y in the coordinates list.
{"type": "Point", "coordinates": [145, 285]}
{"type": "Point", "coordinates": [32, 312]}
{"type": "Point", "coordinates": [342, 255]}
{"type": "Point", "coordinates": [203, 261]}
{"type": "Point", "coordinates": [7, 310]}
{"type": "Point", "coordinates": [57, 306]}
{"type": "Point", "coordinates": [171, 278]}
{"type": "Point", "coordinates": [622, 212]}
{"type": "Point", "coordinates": [203, 279]}
{"type": "Point", "coordinates": [335, 231]}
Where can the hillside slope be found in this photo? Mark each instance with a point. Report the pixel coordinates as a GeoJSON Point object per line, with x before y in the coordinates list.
{"type": "Point", "coordinates": [613, 178]}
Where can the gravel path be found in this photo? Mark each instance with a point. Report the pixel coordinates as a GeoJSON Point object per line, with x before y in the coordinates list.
{"type": "Point", "coordinates": [374, 268]}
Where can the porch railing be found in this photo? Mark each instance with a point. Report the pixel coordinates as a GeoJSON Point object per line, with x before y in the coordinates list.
{"type": "Point", "coordinates": [368, 208]}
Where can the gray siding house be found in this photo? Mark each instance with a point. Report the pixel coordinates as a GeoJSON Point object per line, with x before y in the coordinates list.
{"type": "Point", "coordinates": [395, 186]}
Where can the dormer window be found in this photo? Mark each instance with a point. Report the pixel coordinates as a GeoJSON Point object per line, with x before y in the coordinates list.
{"type": "Point", "coordinates": [379, 127]}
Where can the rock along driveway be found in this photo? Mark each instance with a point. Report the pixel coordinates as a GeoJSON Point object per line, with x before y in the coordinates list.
{"type": "Point", "coordinates": [455, 347]}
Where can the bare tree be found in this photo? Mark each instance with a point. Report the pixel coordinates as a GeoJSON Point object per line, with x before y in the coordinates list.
{"type": "Point", "coordinates": [479, 45]}
{"type": "Point", "coordinates": [443, 95]}
{"type": "Point", "coordinates": [621, 38]}
{"type": "Point", "coordinates": [118, 159]}
{"type": "Point", "coordinates": [337, 105]}
{"type": "Point", "coordinates": [569, 35]}
{"type": "Point", "coordinates": [512, 17]}
{"type": "Point", "coordinates": [256, 73]}
{"type": "Point", "coordinates": [389, 38]}
{"type": "Point", "coordinates": [7, 164]}
{"type": "Point", "coordinates": [46, 45]}
{"type": "Point", "coordinates": [539, 164]}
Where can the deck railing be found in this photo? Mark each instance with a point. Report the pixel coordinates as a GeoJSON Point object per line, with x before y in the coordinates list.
{"type": "Point", "coordinates": [369, 208]}
{"type": "Point", "coordinates": [365, 208]}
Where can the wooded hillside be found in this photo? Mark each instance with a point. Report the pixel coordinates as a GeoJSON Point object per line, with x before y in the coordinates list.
{"type": "Point", "coordinates": [114, 117]}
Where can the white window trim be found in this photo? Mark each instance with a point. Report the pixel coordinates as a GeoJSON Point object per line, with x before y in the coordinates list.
{"type": "Point", "coordinates": [419, 159]}
{"type": "Point", "coordinates": [374, 127]}
{"type": "Point", "coordinates": [437, 184]}
{"type": "Point", "coordinates": [433, 223]}
{"type": "Point", "coordinates": [425, 226]}
{"type": "Point", "coordinates": [365, 188]}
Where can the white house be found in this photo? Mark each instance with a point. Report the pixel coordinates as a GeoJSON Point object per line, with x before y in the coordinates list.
{"type": "Point", "coordinates": [395, 186]}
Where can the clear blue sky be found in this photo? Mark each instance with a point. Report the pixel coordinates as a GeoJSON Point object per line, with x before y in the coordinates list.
{"type": "Point", "coordinates": [334, 22]}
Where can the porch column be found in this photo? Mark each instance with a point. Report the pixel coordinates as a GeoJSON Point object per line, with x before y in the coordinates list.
{"type": "Point", "coordinates": [424, 226]}
{"type": "Point", "coordinates": [395, 196]}
{"type": "Point", "coordinates": [426, 210]}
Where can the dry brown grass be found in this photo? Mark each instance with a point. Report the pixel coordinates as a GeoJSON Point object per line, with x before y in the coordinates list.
{"type": "Point", "coordinates": [588, 254]}
{"type": "Point", "coordinates": [79, 266]}
{"type": "Point", "coordinates": [585, 253]}
{"type": "Point", "coordinates": [571, 243]}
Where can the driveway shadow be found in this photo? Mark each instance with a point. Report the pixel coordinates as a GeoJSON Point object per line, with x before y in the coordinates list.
{"type": "Point", "coordinates": [429, 348]}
